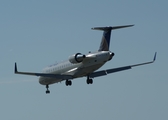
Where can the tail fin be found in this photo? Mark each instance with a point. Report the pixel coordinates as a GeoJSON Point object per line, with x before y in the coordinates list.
{"type": "Point", "coordinates": [105, 41]}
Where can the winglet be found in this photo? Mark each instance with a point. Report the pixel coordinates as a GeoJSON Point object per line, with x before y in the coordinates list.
{"type": "Point", "coordinates": [16, 68]}
{"type": "Point", "coordinates": [154, 56]}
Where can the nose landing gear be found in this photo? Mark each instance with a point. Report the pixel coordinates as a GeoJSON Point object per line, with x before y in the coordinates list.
{"type": "Point", "coordinates": [47, 91]}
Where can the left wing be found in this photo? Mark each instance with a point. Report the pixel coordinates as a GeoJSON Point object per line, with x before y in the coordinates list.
{"type": "Point", "coordinates": [58, 76]}
{"type": "Point", "coordinates": [108, 71]}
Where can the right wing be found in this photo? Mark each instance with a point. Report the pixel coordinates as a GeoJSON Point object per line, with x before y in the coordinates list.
{"type": "Point", "coordinates": [58, 76]}
{"type": "Point", "coordinates": [108, 71]}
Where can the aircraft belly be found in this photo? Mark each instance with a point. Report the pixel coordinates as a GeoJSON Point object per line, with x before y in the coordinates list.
{"type": "Point", "coordinates": [86, 70]}
{"type": "Point", "coordinates": [79, 70]}
{"type": "Point", "coordinates": [48, 81]}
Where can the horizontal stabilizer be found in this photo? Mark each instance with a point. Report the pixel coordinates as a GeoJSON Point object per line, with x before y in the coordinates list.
{"type": "Point", "coordinates": [111, 28]}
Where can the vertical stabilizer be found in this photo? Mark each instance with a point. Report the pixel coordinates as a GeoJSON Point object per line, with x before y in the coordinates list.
{"type": "Point", "coordinates": [105, 41]}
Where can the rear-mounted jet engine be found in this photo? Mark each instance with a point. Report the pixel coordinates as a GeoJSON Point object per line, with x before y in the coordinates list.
{"type": "Point", "coordinates": [76, 58]}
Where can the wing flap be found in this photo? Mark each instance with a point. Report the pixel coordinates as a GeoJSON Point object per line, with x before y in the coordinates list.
{"type": "Point", "coordinates": [108, 71]}
{"type": "Point", "coordinates": [98, 74]}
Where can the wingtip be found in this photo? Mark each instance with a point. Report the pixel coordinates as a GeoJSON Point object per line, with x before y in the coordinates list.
{"type": "Point", "coordinates": [15, 68]}
{"type": "Point", "coordinates": [154, 56]}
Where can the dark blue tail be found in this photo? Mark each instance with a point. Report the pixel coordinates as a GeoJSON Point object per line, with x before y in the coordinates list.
{"type": "Point", "coordinates": [105, 41]}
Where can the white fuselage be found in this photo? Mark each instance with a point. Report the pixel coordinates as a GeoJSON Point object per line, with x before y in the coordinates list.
{"type": "Point", "coordinates": [92, 62]}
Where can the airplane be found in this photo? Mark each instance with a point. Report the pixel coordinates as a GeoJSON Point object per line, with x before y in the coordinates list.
{"type": "Point", "coordinates": [82, 65]}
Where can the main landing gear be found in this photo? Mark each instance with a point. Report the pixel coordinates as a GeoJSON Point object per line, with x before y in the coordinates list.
{"type": "Point", "coordinates": [47, 91]}
{"type": "Point", "coordinates": [89, 80]}
{"type": "Point", "coordinates": [68, 82]}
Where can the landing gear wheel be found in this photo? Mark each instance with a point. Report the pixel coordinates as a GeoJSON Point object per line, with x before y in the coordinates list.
{"type": "Point", "coordinates": [47, 91]}
{"type": "Point", "coordinates": [89, 81]}
{"type": "Point", "coordinates": [68, 82]}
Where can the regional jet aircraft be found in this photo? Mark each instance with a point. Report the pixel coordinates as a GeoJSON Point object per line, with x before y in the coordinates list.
{"type": "Point", "coordinates": [82, 65]}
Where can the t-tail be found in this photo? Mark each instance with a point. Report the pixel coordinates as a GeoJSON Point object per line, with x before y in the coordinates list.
{"type": "Point", "coordinates": [105, 41]}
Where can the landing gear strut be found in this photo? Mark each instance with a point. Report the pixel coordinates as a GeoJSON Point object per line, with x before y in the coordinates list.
{"type": "Point", "coordinates": [47, 91]}
{"type": "Point", "coordinates": [89, 80]}
{"type": "Point", "coordinates": [68, 82]}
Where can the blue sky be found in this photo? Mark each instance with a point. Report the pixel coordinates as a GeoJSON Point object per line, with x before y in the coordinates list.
{"type": "Point", "coordinates": [38, 33]}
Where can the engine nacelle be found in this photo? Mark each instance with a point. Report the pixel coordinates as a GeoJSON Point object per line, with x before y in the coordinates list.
{"type": "Point", "coordinates": [111, 55]}
{"type": "Point", "coordinates": [77, 58]}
